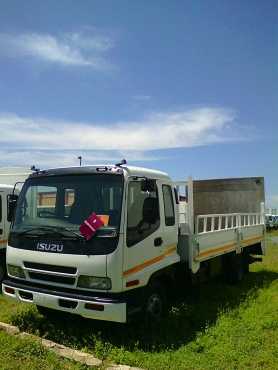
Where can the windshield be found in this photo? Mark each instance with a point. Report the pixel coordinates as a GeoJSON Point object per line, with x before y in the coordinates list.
{"type": "Point", "coordinates": [66, 201]}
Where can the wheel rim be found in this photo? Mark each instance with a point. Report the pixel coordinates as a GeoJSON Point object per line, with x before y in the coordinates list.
{"type": "Point", "coordinates": [154, 306]}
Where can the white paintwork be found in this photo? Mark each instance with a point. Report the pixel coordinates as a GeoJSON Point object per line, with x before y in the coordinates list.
{"type": "Point", "coordinates": [112, 311]}
{"type": "Point", "coordinates": [86, 265]}
{"type": "Point", "coordinates": [145, 250]}
{"type": "Point", "coordinates": [146, 172]}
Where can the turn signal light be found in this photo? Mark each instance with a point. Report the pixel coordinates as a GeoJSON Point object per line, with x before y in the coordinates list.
{"type": "Point", "coordinates": [132, 283]}
{"type": "Point", "coordinates": [9, 290]}
{"type": "Point", "coordinates": [94, 306]}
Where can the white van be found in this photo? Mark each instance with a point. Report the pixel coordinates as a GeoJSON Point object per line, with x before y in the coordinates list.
{"type": "Point", "coordinates": [9, 176]}
{"type": "Point", "coordinates": [5, 190]}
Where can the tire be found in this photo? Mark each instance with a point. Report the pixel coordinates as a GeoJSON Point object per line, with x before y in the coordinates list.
{"type": "Point", "coordinates": [155, 305]}
{"type": "Point", "coordinates": [234, 268]}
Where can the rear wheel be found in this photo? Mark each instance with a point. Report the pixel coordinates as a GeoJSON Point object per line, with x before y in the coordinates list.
{"type": "Point", "coordinates": [234, 266]}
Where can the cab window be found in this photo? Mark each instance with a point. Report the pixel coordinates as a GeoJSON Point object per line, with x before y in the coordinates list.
{"type": "Point", "coordinates": [142, 213]}
{"type": "Point", "coordinates": [169, 211]}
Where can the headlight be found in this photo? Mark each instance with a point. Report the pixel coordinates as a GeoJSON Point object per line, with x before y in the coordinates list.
{"type": "Point", "coordinates": [16, 271]}
{"type": "Point", "coordinates": [93, 282]}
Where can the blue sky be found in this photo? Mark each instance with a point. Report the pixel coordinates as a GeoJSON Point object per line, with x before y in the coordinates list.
{"type": "Point", "coordinates": [188, 87]}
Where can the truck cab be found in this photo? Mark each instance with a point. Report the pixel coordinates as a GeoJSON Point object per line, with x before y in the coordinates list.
{"type": "Point", "coordinates": [45, 250]}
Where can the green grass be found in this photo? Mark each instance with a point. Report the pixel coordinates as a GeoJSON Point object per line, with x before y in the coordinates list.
{"type": "Point", "coordinates": [19, 353]}
{"type": "Point", "coordinates": [226, 327]}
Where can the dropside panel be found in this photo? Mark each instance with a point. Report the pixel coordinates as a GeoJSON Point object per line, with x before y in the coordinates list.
{"type": "Point", "coordinates": [212, 244]}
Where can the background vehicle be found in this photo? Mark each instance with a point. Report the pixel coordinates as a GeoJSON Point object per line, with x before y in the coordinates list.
{"type": "Point", "coordinates": [8, 177]}
{"type": "Point", "coordinates": [150, 247]}
{"type": "Point", "coordinates": [12, 175]}
{"type": "Point", "coordinates": [5, 190]}
{"type": "Point", "coordinates": [271, 221]}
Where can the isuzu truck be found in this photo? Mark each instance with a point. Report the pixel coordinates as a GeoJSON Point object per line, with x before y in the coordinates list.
{"type": "Point", "coordinates": [156, 236]}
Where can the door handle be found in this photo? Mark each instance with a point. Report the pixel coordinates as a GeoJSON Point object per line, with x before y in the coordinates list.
{"type": "Point", "coordinates": [157, 241]}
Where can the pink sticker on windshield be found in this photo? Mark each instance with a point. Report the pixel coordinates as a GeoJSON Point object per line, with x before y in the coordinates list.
{"type": "Point", "coordinates": [90, 226]}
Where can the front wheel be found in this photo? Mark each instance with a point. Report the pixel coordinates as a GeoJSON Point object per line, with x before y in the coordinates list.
{"type": "Point", "coordinates": [155, 307]}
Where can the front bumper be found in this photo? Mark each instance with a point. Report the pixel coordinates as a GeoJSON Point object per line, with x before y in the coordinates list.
{"type": "Point", "coordinates": [111, 309]}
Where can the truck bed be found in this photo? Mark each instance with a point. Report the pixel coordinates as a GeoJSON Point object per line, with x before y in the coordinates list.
{"type": "Point", "coordinates": [219, 216]}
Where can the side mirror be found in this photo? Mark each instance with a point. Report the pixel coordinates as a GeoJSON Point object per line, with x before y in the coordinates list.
{"type": "Point", "coordinates": [148, 185]}
{"type": "Point", "coordinates": [12, 201]}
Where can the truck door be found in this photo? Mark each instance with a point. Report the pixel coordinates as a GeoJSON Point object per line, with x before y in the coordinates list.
{"type": "Point", "coordinates": [143, 249]}
{"type": "Point", "coordinates": [143, 244]}
{"type": "Point", "coordinates": [170, 224]}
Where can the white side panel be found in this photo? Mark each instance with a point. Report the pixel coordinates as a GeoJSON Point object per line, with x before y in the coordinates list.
{"type": "Point", "coordinates": [251, 235]}
{"type": "Point", "coordinates": [4, 224]}
{"type": "Point", "coordinates": [215, 243]}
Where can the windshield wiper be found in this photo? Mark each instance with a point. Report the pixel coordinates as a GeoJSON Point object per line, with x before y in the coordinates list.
{"type": "Point", "coordinates": [51, 230]}
{"type": "Point", "coordinates": [108, 232]}
{"type": "Point", "coordinates": [60, 229]}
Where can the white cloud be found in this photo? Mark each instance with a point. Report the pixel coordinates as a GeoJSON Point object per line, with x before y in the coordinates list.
{"type": "Point", "coordinates": [190, 128]}
{"type": "Point", "coordinates": [54, 158]}
{"type": "Point", "coordinates": [84, 48]}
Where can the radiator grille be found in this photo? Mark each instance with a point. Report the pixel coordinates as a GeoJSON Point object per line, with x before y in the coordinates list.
{"type": "Point", "coordinates": [52, 278]}
{"type": "Point", "coordinates": [52, 268]}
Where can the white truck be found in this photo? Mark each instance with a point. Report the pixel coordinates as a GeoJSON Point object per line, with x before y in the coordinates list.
{"type": "Point", "coordinates": [8, 178]}
{"type": "Point", "coordinates": [149, 247]}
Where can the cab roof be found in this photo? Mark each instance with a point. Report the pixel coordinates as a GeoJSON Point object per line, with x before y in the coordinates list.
{"type": "Point", "coordinates": [109, 169]}
{"type": "Point", "coordinates": [141, 172]}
